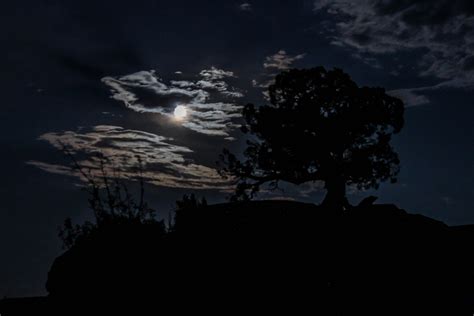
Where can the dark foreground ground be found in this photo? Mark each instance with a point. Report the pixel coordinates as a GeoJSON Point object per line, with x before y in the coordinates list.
{"type": "Point", "coordinates": [266, 257]}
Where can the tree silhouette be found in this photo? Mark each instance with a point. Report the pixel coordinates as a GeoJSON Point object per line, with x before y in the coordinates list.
{"type": "Point", "coordinates": [319, 125]}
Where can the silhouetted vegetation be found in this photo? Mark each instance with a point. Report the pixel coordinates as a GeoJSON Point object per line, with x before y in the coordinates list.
{"type": "Point", "coordinates": [110, 201]}
{"type": "Point", "coordinates": [188, 204]}
{"type": "Point", "coordinates": [319, 125]}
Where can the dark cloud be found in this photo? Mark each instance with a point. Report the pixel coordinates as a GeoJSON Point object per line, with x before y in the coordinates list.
{"type": "Point", "coordinates": [442, 31]}
{"type": "Point", "coordinates": [98, 64]}
{"type": "Point", "coordinates": [468, 63]}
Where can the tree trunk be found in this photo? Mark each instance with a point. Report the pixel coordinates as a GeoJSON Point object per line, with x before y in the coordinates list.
{"type": "Point", "coordinates": [336, 193]}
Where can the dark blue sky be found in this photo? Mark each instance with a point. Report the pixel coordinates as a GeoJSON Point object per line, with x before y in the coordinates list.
{"type": "Point", "coordinates": [106, 76]}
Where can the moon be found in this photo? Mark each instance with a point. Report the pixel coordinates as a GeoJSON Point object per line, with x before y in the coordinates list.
{"type": "Point", "coordinates": [180, 112]}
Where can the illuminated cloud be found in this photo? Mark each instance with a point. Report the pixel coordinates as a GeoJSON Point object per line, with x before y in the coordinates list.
{"type": "Point", "coordinates": [273, 65]}
{"type": "Point", "coordinates": [209, 99]}
{"type": "Point", "coordinates": [163, 164]}
{"type": "Point", "coordinates": [216, 74]}
{"type": "Point", "coordinates": [281, 60]}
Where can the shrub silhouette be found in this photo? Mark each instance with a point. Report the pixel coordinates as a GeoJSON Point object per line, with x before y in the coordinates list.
{"type": "Point", "coordinates": [111, 203]}
{"type": "Point", "coordinates": [113, 256]}
{"type": "Point", "coordinates": [319, 125]}
{"type": "Point", "coordinates": [188, 206]}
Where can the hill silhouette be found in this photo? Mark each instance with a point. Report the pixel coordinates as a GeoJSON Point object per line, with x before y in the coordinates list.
{"type": "Point", "coordinates": [264, 257]}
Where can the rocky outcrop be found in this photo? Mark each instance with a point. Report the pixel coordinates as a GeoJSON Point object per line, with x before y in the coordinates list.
{"type": "Point", "coordinates": [273, 256]}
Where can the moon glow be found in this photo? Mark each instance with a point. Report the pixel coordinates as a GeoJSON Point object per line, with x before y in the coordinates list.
{"type": "Point", "coordinates": [180, 112]}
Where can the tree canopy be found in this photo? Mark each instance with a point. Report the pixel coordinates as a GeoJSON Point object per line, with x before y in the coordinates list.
{"type": "Point", "coordinates": [319, 126]}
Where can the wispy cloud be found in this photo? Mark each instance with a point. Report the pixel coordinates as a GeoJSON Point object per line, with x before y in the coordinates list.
{"type": "Point", "coordinates": [163, 164]}
{"type": "Point", "coordinates": [273, 65]}
{"type": "Point", "coordinates": [281, 60]}
{"type": "Point", "coordinates": [441, 31]}
{"type": "Point", "coordinates": [245, 6]}
{"type": "Point", "coordinates": [417, 96]}
{"type": "Point", "coordinates": [209, 99]}
{"type": "Point", "coordinates": [410, 97]}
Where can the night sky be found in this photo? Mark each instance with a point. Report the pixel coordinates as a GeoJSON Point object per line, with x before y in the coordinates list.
{"type": "Point", "coordinates": [107, 76]}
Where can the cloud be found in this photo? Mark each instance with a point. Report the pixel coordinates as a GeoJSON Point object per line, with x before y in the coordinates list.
{"type": "Point", "coordinates": [215, 74]}
{"type": "Point", "coordinates": [163, 163]}
{"type": "Point", "coordinates": [245, 7]}
{"type": "Point", "coordinates": [410, 97]}
{"type": "Point", "coordinates": [442, 31]}
{"type": "Point", "coordinates": [415, 96]}
{"type": "Point", "coordinates": [273, 65]}
{"type": "Point", "coordinates": [447, 201]}
{"type": "Point", "coordinates": [281, 60]}
{"type": "Point", "coordinates": [209, 99]}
